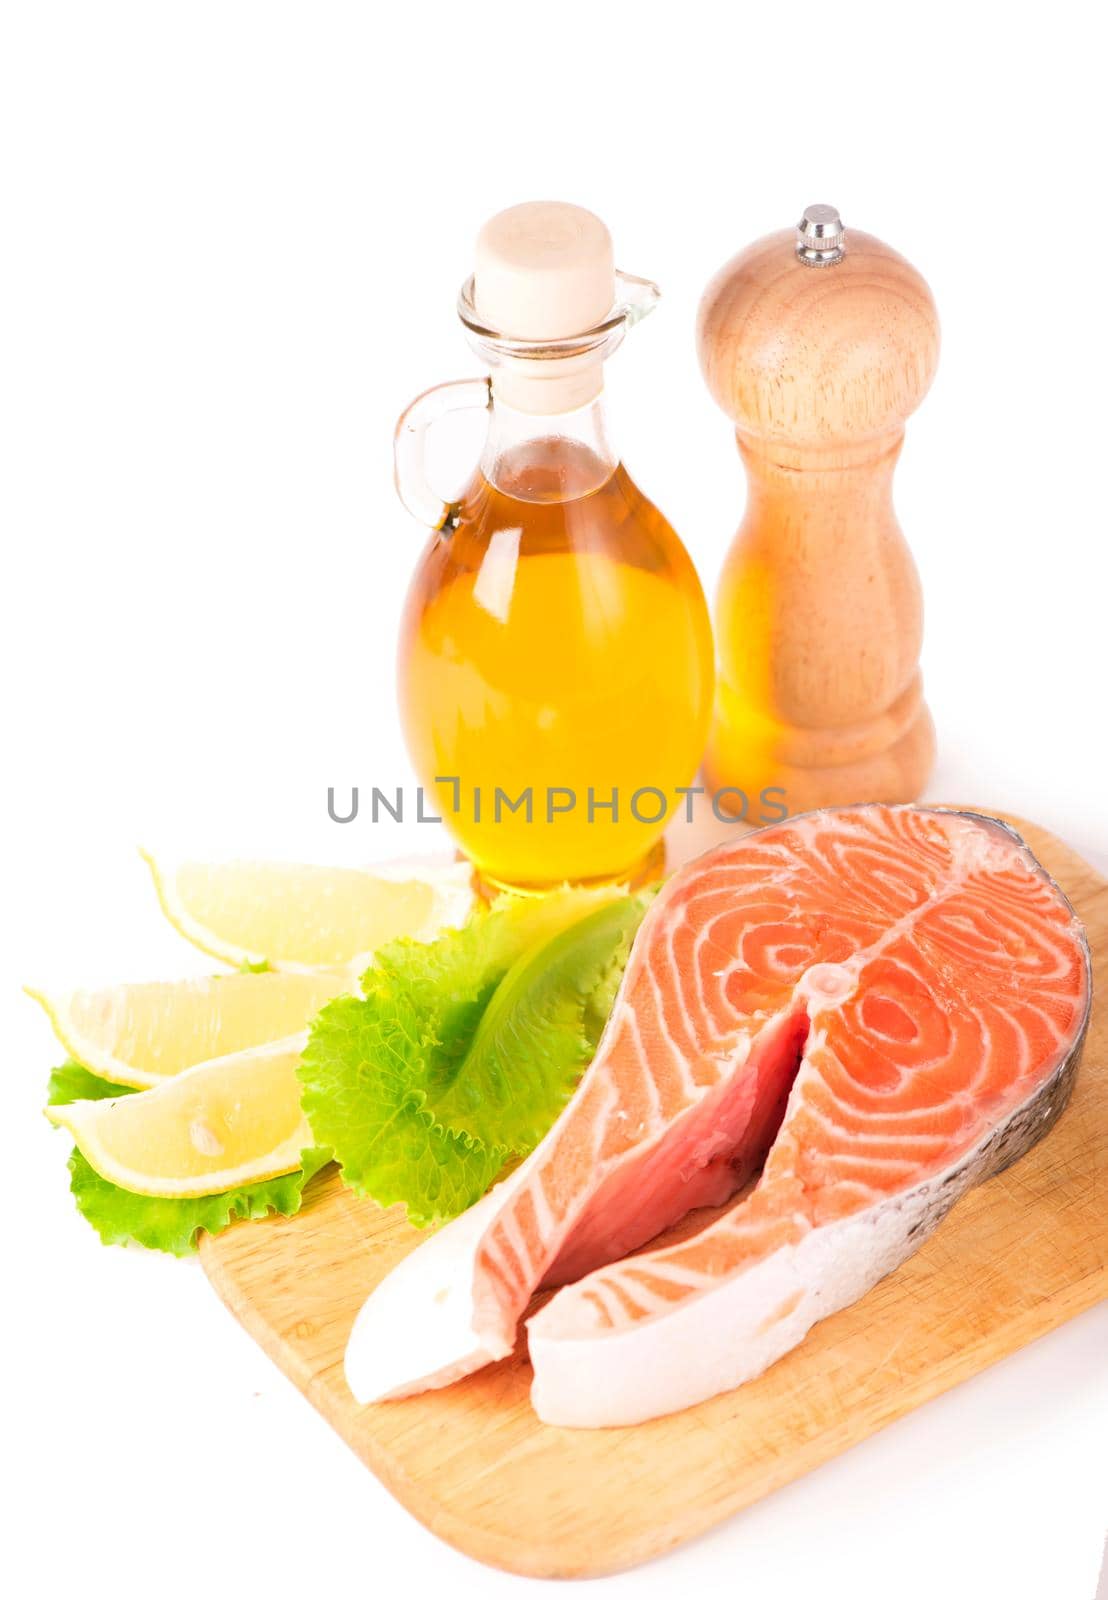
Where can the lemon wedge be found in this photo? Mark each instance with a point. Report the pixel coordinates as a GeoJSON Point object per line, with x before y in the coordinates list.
{"type": "Point", "coordinates": [224, 1123]}
{"type": "Point", "coordinates": [302, 918]}
{"type": "Point", "coordinates": [141, 1034]}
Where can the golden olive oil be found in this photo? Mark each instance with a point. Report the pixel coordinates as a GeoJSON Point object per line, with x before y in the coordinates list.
{"type": "Point", "coordinates": [556, 646]}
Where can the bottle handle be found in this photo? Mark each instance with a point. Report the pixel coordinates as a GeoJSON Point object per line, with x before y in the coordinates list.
{"type": "Point", "coordinates": [410, 442]}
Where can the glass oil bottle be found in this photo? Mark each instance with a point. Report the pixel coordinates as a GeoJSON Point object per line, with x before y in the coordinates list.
{"type": "Point", "coordinates": [556, 671]}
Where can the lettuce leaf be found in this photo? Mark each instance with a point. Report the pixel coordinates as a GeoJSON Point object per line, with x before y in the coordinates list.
{"type": "Point", "coordinates": [533, 1039]}
{"type": "Point", "coordinates": [121, 1217]}
{"type": "Point", "coordinates": [464, 1050]}
{"type": "Point", "coordinates": [71, 1081]}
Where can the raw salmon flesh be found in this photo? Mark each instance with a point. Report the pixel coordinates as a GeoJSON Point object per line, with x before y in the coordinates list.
{"type": "Point", "coordinates": [876, 1008]}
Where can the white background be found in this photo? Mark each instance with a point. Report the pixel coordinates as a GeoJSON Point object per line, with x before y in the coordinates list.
{"type": "Point", "coordinates": [233, 235]}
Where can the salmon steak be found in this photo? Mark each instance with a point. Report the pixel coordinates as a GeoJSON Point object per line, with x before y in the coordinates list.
{"type": "Point", "coordinates": [845, 1020]}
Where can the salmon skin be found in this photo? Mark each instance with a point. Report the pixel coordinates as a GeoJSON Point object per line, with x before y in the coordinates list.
{"type": "Point", "coordinates": [875, 1007]}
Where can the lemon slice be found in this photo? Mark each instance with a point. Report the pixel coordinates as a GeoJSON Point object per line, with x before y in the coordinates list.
{"type": "Point", "coordinates": [302, 918]}
{"type": "Point", "coordinates": [223, 1123]}
{"type": "Point", "coordinates": [141, 1034]}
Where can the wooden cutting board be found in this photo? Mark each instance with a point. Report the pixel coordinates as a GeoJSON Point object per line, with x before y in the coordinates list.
{"type": "Point", "coordinates": [1015, 1258]}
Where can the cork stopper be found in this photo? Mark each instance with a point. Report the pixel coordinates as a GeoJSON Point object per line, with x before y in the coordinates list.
{"type": "Point", "coordinates": [545, 271]}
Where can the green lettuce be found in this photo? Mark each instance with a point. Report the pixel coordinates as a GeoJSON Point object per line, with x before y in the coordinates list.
{"type": "Point", "coordinates": [71, 1082]}
{"type": "Point", "coordinates": [121, 1217]}
{"type": "Point", "coordinates": [464, 1050]}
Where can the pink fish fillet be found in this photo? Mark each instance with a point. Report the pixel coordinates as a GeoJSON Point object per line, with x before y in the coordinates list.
{"type": "Point", "coordinates": [883, 1005]}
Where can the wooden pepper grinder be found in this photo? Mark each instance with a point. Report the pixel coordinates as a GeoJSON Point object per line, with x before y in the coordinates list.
{"type": "Point", "coordinates": [819, 345]}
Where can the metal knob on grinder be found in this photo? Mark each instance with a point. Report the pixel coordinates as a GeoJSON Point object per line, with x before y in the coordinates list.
{"type": "Point", "coordinates": [820, 236]}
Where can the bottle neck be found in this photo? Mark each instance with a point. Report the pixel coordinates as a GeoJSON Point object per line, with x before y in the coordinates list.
{"type": "Point", "coordinates": [547, 457]}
